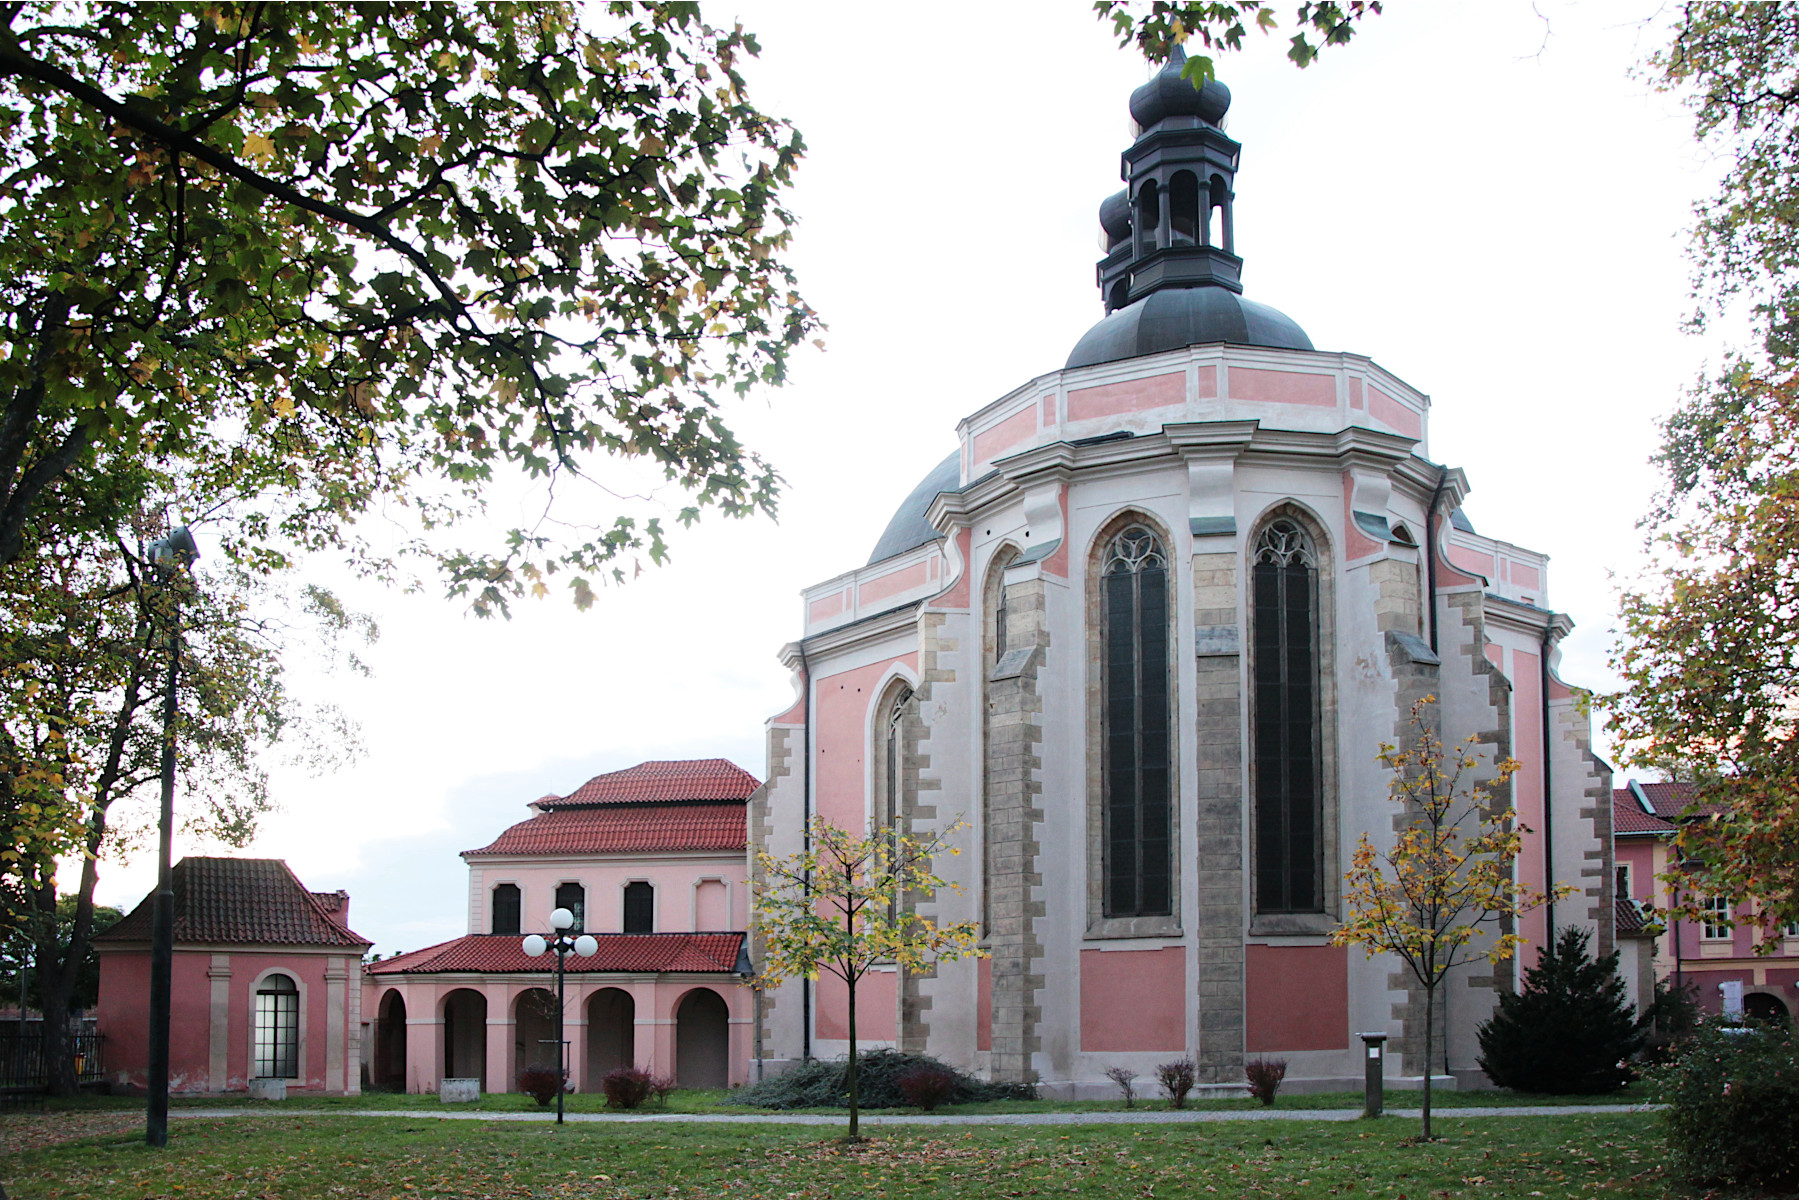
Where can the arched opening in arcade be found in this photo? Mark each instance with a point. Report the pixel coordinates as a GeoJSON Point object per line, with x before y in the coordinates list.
{"type": "Point", "coordinates": [702, 1040]}
{"type": "Point", "coordinates": [465, 1036]}
{"type": "Point", "coordinates": [534, 1031]}
{"type": "Point", "coordinates": [388, 1072]}
{"type": "Point", "coordinates": [611, 1033]}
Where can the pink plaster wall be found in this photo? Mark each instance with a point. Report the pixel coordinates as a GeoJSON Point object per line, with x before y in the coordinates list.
{"type": "Point", "coordinates": [1525, 576]}
{"type": "Point", "coordinates": [1282, 387]}
{"type": "Point", "coordinates": [1384, 407]}
{"type": "Point", "coordinates": [1528, 793]}
{"type": "Point", "coordinates": [1296, 998]}
{"type": "Point", "coordinates": [893, 583]}
{"type": "Point", "coordinates": [825, 607]}
{"type": "Point", "coordinates": [1014, 431]}
{"type": "Point", "coordinates": [876, 997]}
{"type": "Point", "coordinates": [123, 1014]}
{"type": "Point", "coordinates": [841, 722]}
{"type": "Point", "coordinates": [1492, 653]}
{"type": "Point", "coordinates": [1356, 393]}
{"type": "Point", "coordinates": [1133, 1000]}
{"type": "Point", "coordinates": [1639, 855]}
{"type": "Point", "coordinates": [1129, 396]}
{"type": "Point", "coordinates": [1471, 560]}
{"type": "Point", "coordinates": [1047, 407]}
{"type": "Point", "coordinates": [605, 880]}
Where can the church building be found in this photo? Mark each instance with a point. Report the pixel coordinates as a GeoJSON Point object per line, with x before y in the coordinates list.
{"type": "Point", "coordinates": [1145, 629]}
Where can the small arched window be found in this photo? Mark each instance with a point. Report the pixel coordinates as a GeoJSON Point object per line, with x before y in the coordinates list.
{"type": "Point", "coordinates": [1184, 209]}
{"type": "Point", "coordinates": [1135, 687]}
{"type": "Point", "coordinates": [573, 897]}
{"type": "Point", "coordinates": [1149, 217]}
{"type": "Point", "coordinates": [506, 909]}
{"type": "Point", "coordinates": [640, 908]}
{"type": "Point", "coordinates": [278, 1028]}
{"type": "Point", "coordinates": [1284, 583]}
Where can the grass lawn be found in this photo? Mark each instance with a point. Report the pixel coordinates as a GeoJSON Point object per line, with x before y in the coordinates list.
{"type": "Point", "coordinates": [711, 1102]}
{"type": "Point", "coordinates": [100, 1154]}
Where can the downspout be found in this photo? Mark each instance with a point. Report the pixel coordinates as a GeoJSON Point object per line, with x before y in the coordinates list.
{"type": "Point", "coordinates": [1431, 555]}
{"type": "Point", "coordinates": [806, 996]}
{"type": "Point", "coordinates": [1549, 825]}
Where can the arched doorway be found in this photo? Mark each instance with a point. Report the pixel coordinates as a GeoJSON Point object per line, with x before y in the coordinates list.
{"type": "Point", "coordinates": [611, 1034]}
{"type": "Point", "coordinates": [390, 1043]}
{"type": "Point", "coordinates": [1765, 1007]}
{"type": "Point", "coordinates": [534, 1031]}
{"type": "Point", "coordinates": [702, 1040]}
{"type": "Point", "coordinates": [465, 1036]}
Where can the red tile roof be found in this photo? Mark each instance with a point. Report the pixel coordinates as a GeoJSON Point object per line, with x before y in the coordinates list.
{"type": "Point", "coordinates": [1629, 816]}
{"type": "Point", "coordinates": [680, 779]}
{"type": "Point", "coordinates": [1628, 918]}
{"type": "Point", "coordinates": [625, 829]}
{"type": "Point", "coordinates": [705, 953]}
{"type": "Point", "coordinates": [239, 901]}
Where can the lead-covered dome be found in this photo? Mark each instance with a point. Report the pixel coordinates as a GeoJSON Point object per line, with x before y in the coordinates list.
{"type": "Point", "coordinates": [1169, 95]}
{"type": "Point", "coordinates": [1169, 320]}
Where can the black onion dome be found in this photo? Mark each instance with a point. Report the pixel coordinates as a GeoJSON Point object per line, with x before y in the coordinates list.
{"type": "Point", "coordinates": [1178, 317]}
{"type": "Point", "coordinates": [909, 529]}
{"type": "Point", "coordinates": [1169, 95]}
{"type": "Point", "coordinates": [1115, 217]}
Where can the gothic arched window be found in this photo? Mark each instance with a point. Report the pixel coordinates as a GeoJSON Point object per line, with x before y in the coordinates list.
{"type": "Point", "coordinates": [1134, 587]}
{"type": "Point", "coordinates": [1284, 621]}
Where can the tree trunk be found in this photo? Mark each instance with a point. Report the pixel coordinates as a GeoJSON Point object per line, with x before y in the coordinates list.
{"type": "Point", "coordinates": [56, 967]}
{"type": "Point", "coordinates": [854, 1135]}
{"type": "Point", "coordinates": [1430, 1000]}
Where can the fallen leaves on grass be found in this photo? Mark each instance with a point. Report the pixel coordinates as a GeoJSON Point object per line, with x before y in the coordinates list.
{"type": "Point", "coordinates": [20, 1132]}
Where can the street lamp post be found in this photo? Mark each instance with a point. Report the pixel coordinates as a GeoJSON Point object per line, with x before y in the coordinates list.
{"type": "Point", "coordinates": [559, 942]}
{"type": "Point", "coordinates": [168, 556]}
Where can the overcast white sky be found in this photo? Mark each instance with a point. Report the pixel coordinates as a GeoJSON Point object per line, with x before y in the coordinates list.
{"type": "Point", "coordinates": [1481, 200]}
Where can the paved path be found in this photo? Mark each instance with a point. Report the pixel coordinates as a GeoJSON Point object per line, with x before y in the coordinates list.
{"type": "Point", "coordinates": [1187, 1116]}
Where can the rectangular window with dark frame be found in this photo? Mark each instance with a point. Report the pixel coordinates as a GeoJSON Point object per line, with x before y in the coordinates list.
{"type": "Point", "coordinates": [506, 909]}
{"type": "Point", "coordinates": [1284, 600]}
{"type": "Point", "coordinates": [573, 897]}
{"type": "Point", "coordinates": [640, 908]}
{"type": "Point", "coordinates": [277, 1029]}
{"type": "Point", "coordinates": [1135, 716]}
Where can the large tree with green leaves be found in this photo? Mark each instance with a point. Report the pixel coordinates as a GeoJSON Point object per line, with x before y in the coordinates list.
{"type": "Point", "coordinates": [333, 256]}
{"type": "Point", "coordinates": [85, 645]}
{"type": "Point", "coordinates": [1710, 637]}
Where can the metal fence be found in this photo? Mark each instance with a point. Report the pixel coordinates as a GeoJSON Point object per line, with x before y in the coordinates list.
{"type": "Point", "coordinates": [22, 1062]}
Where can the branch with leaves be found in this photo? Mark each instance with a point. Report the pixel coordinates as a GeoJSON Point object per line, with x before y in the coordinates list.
{"type": "Point", "coordinates": [1219, 26]}
{"type": "Point", "coordinates": [846, 904]}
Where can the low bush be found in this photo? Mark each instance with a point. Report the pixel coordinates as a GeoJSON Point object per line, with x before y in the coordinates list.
{"type": "Point", "coordinates": [541, 1083]}
{"type": "Point", "coordinates": [927, 1087]}
{"type": "Point", "coordinates": [1264, 1077]}
{"type": "Point", "coordinates": [1177, 1079]}
{"type": "Point", "coordinates": [824, 1083]}
{"type": "Point", "coordinates": [1731, 1096]}
{"type": "Point", "coordinates": [1124, 1077]}
{"type": "Point", "coordinates": [627, 1087]}
{"type": "Point", "coordinates": [1672, 1017]}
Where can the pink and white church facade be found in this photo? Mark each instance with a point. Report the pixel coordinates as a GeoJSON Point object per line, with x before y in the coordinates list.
{"type": "Point", "coordinates": [1144, 631]}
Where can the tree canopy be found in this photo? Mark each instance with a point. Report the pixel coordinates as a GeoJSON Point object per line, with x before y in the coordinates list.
{"type": "Point", "coordinates": [1710, 637]}
{"type": "Point", "coordinates": [339, 256]}
{"type": "Point", "coordinates": [1159, 26]}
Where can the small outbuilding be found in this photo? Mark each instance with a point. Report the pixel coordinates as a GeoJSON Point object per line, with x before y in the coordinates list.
{"type": "Point", "coordinates": [266, 983]}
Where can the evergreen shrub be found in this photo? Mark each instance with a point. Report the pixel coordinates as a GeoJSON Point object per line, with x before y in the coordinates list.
{"type": "Point", "coordinates": [1673, 1017]}
{"type": "Point", "coordinates": [1569, 1030]}
{"type": "Point", "coordinates": [825, 1083]}
{"type": "Point", "coordinates": [1731, 1097]}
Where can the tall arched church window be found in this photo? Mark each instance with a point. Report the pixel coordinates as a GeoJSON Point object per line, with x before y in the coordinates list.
{"type": "Point", "coordinates": [278, 1028]}
{"type": "Point", "coordinates": [1135, 673]}
{"type": "Point", "coordinates": [892, 807]}
{"type": "Point", "coordinates": [1284, 583]}
{"type": "Point", "coordinates": [506, 909]}
{"type": "Point", "coordinates": [573, 897]}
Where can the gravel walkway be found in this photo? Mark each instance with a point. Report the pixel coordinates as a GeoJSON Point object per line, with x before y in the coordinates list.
{"type": "Point", "coordinates": [1188, 1116]}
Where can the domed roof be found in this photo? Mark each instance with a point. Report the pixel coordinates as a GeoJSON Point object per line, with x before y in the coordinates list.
{"type": "Point", "coordinates": [1115, 217]}
{"type": "Point", "coordinates": [1177, 317]}
{"type": "Point", "coordinates": [1169, 95]}
{"type": "Point", "coordinates": [909, 528]}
